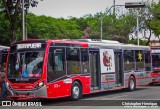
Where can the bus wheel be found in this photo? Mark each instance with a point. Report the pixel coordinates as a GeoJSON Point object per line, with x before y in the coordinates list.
{"type": "Point", "coordinates": [76, 91]}
{"type": "Point", "coordinates": [132, 84]}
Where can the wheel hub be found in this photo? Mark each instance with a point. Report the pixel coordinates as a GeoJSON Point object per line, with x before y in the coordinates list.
{"type": "Point", "coordinates": [76, 91]}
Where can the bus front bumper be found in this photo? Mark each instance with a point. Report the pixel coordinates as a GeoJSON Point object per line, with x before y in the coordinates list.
{"type": "Point", "coordinates": [27, 94]}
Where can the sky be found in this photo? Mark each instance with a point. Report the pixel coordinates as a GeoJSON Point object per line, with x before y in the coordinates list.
{"type": "Point", "coordinates": [74, 8]}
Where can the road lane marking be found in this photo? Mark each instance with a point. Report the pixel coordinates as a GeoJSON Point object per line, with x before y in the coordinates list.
{"type": "Point", "coordinates": [120, 96]}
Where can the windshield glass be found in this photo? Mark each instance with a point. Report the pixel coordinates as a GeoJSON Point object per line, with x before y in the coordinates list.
{"type": "Point", "coordinates": [25, 64]}
{"type": "Point", "coordinates": [156, 60]}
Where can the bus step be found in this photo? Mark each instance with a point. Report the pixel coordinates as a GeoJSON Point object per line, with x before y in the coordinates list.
{"type": "Point", "coordinates": [94, 88]}
{"type": "Point", "coordinates": [118, 85]}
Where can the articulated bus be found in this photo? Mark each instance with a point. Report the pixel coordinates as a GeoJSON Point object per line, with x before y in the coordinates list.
{"type": "Point", "coordinates": [155, 52]}
{"type": "Point", "coordinates": [63, 68]}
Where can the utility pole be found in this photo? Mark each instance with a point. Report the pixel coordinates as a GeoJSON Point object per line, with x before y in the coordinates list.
{"type": "Point", "coordinates": [114, 7]}
{"type": "Point", "coordinates": [137, 29]}
{"type": "Point", "coordinates": [101, 29]}
{"type": "Point", "coordinates": [127, 5]}
{"type": "Point", "coordinates": [23, 21]}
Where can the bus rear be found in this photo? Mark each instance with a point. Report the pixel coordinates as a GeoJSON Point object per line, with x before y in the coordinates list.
{"type": "Point", "coordinates": [155, 52]}
{"type": "Point", "coordinates": [24, 69]}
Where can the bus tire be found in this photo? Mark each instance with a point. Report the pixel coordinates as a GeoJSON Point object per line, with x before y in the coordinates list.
{"type": "Point", "coordinates": [76, 91]}
{"type": "Point", "coordinates": [132, 84]}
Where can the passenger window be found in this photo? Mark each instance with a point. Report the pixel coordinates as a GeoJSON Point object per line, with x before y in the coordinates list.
{"type": "Point", "coordinates": [139, 55]}
{"type": "Point", "coordinates": [73, 61]}
{"type": "Point", "coordinates": [56, 63]}
{"type": "Point", "coordinates": [147, 61]}
{"type": "Point", "coordinates": [129, 63]}
{"type": "Point", "coordinates": [84, 60]}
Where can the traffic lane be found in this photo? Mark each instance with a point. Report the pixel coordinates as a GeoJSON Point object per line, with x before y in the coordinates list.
{"type": "Point", "coordinates": [96, 99]}
{"type": "Point", "coordinates": [141, 93]}
{"type": "Point", "coordinates": [110, 98]}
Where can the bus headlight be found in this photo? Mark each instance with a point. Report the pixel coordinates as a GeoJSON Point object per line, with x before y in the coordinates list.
{"type": "Point", "coordinates": [39, 85]}
{"type": "Point", "coordinates": [7, 84]}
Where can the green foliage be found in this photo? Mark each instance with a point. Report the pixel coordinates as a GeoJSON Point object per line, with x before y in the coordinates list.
{"type": "Point", "coordinates": [141, 42]}
{"type": "Point", "coordinates": [155, 22]}
{"type": "Point", "coordinates": [13, 12]}
{"type": "Point", "coordinates": [114, 27]}
{"type": "Point", "coordinates": [51, 28]}
{"type": "Point", "coordinates": [4, 30]}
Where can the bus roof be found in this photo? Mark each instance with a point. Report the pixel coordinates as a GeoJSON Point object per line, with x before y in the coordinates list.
{"type": "Point", "coordinates": [31, 40]}
{"type": "Point", "coordinates": [93, 43]}
{"type": "Point", "coordinates": [97, 40]}
{"type": "Point", "coordinates": [3, 47]}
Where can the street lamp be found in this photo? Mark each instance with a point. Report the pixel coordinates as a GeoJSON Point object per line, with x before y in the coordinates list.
{"type": "Point", "coordinates": [103, 18]}
{"type": "Point", "coordinates": [137, 5]}
{"type": "Point", "coordinates": [26, 4]}
{"type": "Point", "coordinates": [127, 5]}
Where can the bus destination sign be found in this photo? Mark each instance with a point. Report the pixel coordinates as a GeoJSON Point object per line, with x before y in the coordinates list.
{"type": "Point", "coordinates": [155, 51]}
{"type": "Point", "coordinates": [30, 45]}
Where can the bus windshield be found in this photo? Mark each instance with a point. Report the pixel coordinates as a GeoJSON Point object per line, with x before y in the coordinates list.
{"type": "Point", "coordinates": [25, 64]}
{"type": "Point", "coordinates": [156, 61]}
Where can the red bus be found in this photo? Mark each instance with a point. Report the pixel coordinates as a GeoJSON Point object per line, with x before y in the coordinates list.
{"type": "Point", "coordinates": [62, 68]}
{"type": "Point", "coordinates": [155, 51]}
{"type": "Point", "coordinates": [3, 54]}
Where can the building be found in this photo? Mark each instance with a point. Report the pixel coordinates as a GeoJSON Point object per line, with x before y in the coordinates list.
{"type": "Point", "coordinates": [154, 42]}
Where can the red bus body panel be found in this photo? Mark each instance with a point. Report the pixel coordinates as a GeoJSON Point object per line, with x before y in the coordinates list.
{"type": "Point", "coordinates": [62, 86]}
{"type": "Point", "coordinates": [155, 75]}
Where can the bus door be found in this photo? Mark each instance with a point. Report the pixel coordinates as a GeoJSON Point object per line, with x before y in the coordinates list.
{"type": "Point", "coordinates": [118, 70]}
{"type": "Point", "coordinates": [95, 70]}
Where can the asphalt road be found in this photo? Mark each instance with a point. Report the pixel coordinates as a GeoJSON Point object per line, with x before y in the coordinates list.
{"type": "Point", "coordinates": [100, 99]}
{"type": "Point", "coordinates": [147, 94]}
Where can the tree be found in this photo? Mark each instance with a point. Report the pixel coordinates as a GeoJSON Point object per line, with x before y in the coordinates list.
{"type": "Point", "coordinates": [50, 28]}
{"type": "Point", "coordinates": [155, 21]}
{"type": "Point", "coordinates": [4, 30]}
{"type": "Point", "coordinates": [13, 10]}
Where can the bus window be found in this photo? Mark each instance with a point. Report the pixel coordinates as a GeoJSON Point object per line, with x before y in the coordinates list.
{"type": "Point", "coordinates": [58, 60]}
{"type": "Point", "coordinates": [26, 64]}
{"type": "Point", "coordinates": [129, 63]}
{"type": "Point", "coordinates": [84, 60]}
{"type": "Point", "coordinates": [147, 61]}
{"type": "Point", "coordinates": [156, 60]}
{"type": "Point", "coordinates": [3, 56]}
{"type": "Point", "coordinates": [12, 66]}
{"type": "Point", "coordinates": [34, 62]}
{"type": "Point", "coordinates": [73, 61]}
{"type": "Point", "coordinates": [139, 55]}
{"type": "Point", "coordinates": [56, 63]}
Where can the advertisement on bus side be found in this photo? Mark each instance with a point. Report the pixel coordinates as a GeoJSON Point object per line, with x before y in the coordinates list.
{"type": "Point", "coordinates": [107, 60]}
